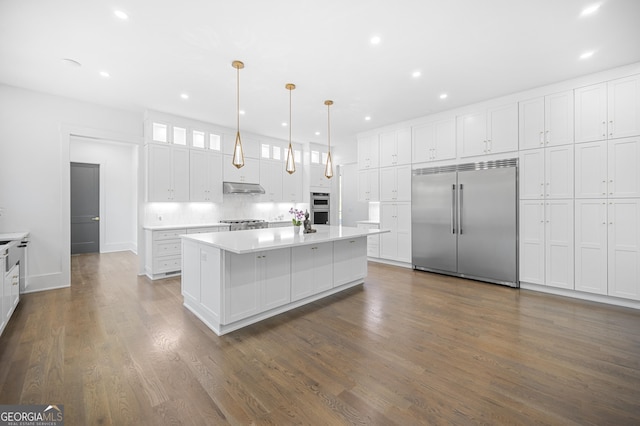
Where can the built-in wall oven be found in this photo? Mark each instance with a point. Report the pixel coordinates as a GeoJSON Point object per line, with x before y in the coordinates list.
{"type": "Point", "coordinates": [320, 208]}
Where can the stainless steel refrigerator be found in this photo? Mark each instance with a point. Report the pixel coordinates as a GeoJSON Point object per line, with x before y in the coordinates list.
{"type": "Point", "coordinates": [464, 220]}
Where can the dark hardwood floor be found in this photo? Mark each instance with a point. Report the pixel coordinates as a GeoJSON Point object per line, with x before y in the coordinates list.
{"type": "Point", "coordinates": [407, 348]}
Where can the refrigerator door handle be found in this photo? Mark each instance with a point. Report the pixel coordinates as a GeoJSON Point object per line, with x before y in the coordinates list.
{"type": "Point", "coordinates": [453, 208]}
{"type": "Point", "coordinates": [460, 209]}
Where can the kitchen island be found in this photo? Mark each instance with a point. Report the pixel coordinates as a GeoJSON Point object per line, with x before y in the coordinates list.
{"type": "Point", "coordinates": [234, 279]}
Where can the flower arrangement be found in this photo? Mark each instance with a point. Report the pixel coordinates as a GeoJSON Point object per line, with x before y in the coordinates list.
{"type": "Point", "coordinates": [298, 216]}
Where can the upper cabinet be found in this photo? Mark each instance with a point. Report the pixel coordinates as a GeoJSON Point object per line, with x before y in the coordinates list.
{"type": "Point", "coordinates": [249, 173]}
{"type": "Point", "coordinates": [395, 147]}
{"type": "Point", "coordinates": [368, 156]}
{"type": "Point", "coordinates": [546, 121]}
{"type": "Point", "coordinates": [167, 172]}
{"type": "Point", "coordinates": [250, 147]}
{"type": "Point", "coordinates": [205, 176]}
{"type": "Point", "coordinates": [491, 131]}
{"type": "Point", "coordinates": [434, 141]}
{"type": "Point", "coordinates": [608, 110]}
{"type": "Point", "coordinates": [271, 174]}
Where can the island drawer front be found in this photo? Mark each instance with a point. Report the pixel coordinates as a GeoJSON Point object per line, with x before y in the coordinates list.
{"type": "Point", "coordinates": [167, 264]}
{"type": "Point", "coordinates": [168, 234]}
{"type": "Point", "coordinates": [209, 229]}
{"type": "Point", "coordinates": [167, 247]}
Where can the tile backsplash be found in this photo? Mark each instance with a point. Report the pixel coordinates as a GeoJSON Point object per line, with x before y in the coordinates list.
{"type": "Point", "coordinates": [234, 206]}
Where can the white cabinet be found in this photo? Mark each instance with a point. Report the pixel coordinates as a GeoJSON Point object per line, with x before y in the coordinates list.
{"type": "Point", "coordinates": [256, 282]}
{"type": "Point", "coordinates": [546, 242]}
{"type": "Point", "coordinates": [547, 173]}
{"type": "Point", "coordinates": [395, 147]}
{"type": "Point", "coordinates": [608, 247]}
{"type": "Point", "coordinates": [591, 246]}
{"type": "Point", "coordinates": [167, 173]}
{"type": "Point", "coordinates": [396, 244]}
{"type": "Point", "coordinates": [489, 132]}
{"type": "Point", "coordinates": [608, 168]}
{"type": "Point", "coordinates": [292, 186]}
{"type": "Point", "coordinates": [249, 173]}
{"type": "Point", "coordinates": [624, 248]}
{"type": "Point", "coordinates": [368, 155]}
{"type": "Point", "coordinates": [395, 183]}
{"type": "Point", "coordinates": [311, 270]}
{"type": "Point", "coordinates": [11, 293]}
{"type": "Point", "coordinates": [250, 147]}
{"type": "Point", "coordinates": [368, 185]}
{"type": "Point", "coordinates": [317, 179]}
{"type": "Point", "coordinates": [271, 175]}
{"type": "Point", "coordinates": [373, 241]}
{"type": "Point", "coordinates": [205, 176]}
{"type": "Point", "coordinates": [546, 121]}
{"type": "Point", "coordinates": [434, 141]}
{"type": "Point", "coordinates": [608, 110]}
{"type": "Point", "coordinates": [350, 260]}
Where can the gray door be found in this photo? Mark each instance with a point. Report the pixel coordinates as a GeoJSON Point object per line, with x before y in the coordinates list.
{"type": "Point", "coordinates": [487, 224]}
{"type": "Point", "coordinates": [433, 240]}
{"type": "Point", "coordinates": [85, 208]}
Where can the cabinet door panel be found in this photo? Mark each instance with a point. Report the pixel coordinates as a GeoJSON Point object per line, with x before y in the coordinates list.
{"type": "Point", "coordinates": [242, 291]}
{"type": "Point", "coordinates": [159, 172]}
{"type": "Point", "coordinates": [403, 146]}
{"type": "Point", "coordinates": [387, 149]}
{"type": "Point", "coordinates": [559, 244]}
{"type": "Point", "coordinates": [532, 261]}
{"type": "Point", "coordinates": [388, 184]}
{"type": "Point", "coordinates": [532, 174]}
{"type": "Point", "coordinates": [403, 183]}
{"type": "Point", "coordinates": [180, 173]}
{"type": "Point", "coordinates": [624, 167]}
{"type": "Point", "coordinates": [624, 107]}
{"type": "Point", "coordinates": [445, 142]}
{"type": "Point", "coordinates": [424, 141]}
{"type": "Point", "coordinates": [591, 113]}
{"type": "Point", "coordinates": [503, 128]}
{"type": "Point", "coordinates": [559, 119]}
{"type": "Point", "coordinates": [591, 246]}
{"type": "Point", "coordinates": [531, 123]}
{"type": "Point", "coordinates": [559, 172]}
{"type": "Point", "coordinates": [624, 248]}
{"type": "Point", "coordinates": [591, 170]}
{"type": "Point", "coordinates": [275, 287]}
{"type": "Point", "coordinates": [473, 134]}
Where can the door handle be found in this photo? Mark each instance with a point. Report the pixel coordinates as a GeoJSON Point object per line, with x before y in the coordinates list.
{"type": "Point", "coordinates": [460, 210]}
{"type": "Point", "coordinates": [453, 208]}
{"type": "Point", "coordinates": [95, 219]}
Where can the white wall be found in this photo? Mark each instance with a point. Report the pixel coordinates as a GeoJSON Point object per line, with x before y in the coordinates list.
{"type": "Point", "coordinates": [34, 185]}
{"type": "Point", "coordinates": [118, 189]}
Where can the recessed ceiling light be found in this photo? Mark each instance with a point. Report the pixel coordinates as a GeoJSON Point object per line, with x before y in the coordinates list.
{"type": "Point", "coordinates": [284, 124]}
{"type": "Point", "coordinates": [184, 95]}
{"type": "Point", "coordinates": [120, 14]}
{"type": "Point", "coordinates": [241, 112]}
{"type": "Point", "coordinates": [367, 118]}
{"type": "Point", "coordinates": [375, 40]}
{"type": "Point", "coordinates": [443, 96]}
{"type": "Point", "coordinates": [587, 55]}
{"type": "Point", "coordinates": [590, 10]}
{"type": "Point", "coordinates": [104, 74]}
{"type": "Point", "coordinates": [71, 62]}
{"type": "Point", "coordinates": [317, 133]}
{"type": "Point", "coordinates": [416, 74]}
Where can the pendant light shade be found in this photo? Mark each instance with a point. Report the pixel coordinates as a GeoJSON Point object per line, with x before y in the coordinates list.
{"type": "Point", "coordinates": [238, 153]}
{"type": "Point", "coordinates": [328, 170]}
{"type": "Point", "coordinates": [291, 164]}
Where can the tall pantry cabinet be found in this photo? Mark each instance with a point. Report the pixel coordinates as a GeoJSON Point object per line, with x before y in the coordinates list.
{"type": "Point", "coordinates": [607, 188]}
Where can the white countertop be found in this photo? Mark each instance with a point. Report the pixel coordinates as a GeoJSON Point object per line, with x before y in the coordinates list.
{"type": "Point", "coordinates": [13, 235]}
{"type": "Point", "coordinates": [254, 240]}
{"type": "Point", "coordinates": [189, 226]}
{"type": "Point", "coordinates": [369, 222]}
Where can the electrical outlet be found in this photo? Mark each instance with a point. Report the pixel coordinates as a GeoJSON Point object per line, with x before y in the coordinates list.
{"type": "Point", "coordinates": [159, 218]}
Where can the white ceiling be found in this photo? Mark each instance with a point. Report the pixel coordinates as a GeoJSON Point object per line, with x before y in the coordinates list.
{"type": "Point", "coordinates": [473, 50]}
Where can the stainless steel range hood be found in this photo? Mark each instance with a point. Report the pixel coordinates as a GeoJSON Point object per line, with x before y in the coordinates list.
{"type": "Point", "coordinates": [241, 188]}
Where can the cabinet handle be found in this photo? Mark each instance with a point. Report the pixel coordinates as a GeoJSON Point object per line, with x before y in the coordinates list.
{"type": "Point", "coordinates": [352, 241]}
{"type": "Point", "coordinates": [541, 138]}
{"type": "Point", "coordinates": [546, 137]}
{"type": "Point", "coordinates": [604, 128]}
{"type": "Point", "coordinates": [611, 128]}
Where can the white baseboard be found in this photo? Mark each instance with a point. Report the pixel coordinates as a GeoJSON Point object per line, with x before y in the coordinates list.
{"type": "Point", "coordinates": [114, 247]}
{"type": "Point", "coordinates": [44, 282]}
{"type": "Point", "coordinates": [627, 303]}
{"type": "Point", "coordinates": [390, 262]}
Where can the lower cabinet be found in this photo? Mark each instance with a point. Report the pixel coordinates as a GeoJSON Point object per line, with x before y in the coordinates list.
{"type": "Point", "coordinates": [373, 241]}
{"type": "Point", "coordinates": [546, 242]}
{"type": "Point", "coordinates": [396, 244]}
{"type": "Point", "coordinates": [311, 270]}
{"type": "Point", "coordinates": [349, 260]}
{"type": "Point", "coordinates": [10, 293]}
{"type": "Point", "coordinates": [256, 282]}
{"type": "Point", "coordinates": [607, 247]}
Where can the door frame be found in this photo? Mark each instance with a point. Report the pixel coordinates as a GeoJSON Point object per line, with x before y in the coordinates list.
{"type": "Point", "coordinates": [66, 133]}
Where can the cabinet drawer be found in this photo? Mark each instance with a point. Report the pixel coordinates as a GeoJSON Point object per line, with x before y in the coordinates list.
{"type": "Point", "coordinates": [168, 234]}
{"type": "Point", "coordinates": [205, 230]}
{"type": "Point", "coordinates": [167, 264]}
{"type": "Point", "coordinates": [167, 247]}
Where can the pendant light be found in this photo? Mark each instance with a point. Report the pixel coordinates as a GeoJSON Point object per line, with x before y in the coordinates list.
{"type": "Point", "coordinates": [291, 164]}
{"type": "Point", "coordinates": [328, 170]}
{"type": "Point", "coordinates": [238, 153]}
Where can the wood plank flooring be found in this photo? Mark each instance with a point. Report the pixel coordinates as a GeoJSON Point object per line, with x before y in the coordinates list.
{"type": "Point", "coordinates": [407, 348]}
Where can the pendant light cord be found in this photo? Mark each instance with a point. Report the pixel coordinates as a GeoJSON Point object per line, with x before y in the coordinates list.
{"type": "Point", "coordinates": [238, 98]}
